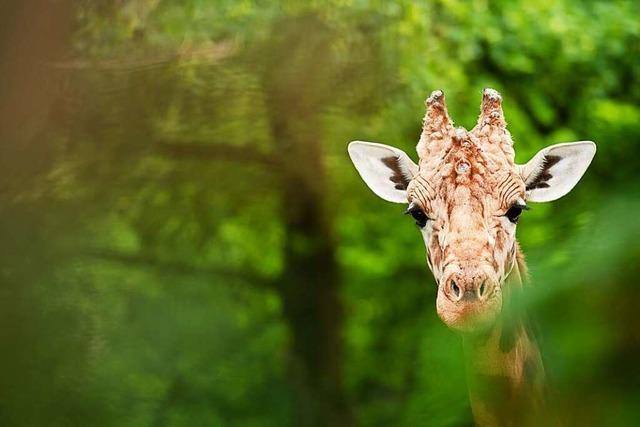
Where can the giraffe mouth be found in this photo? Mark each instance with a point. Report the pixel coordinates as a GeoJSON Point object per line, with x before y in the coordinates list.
{"type": "Point", "coordinates": [468, 316]}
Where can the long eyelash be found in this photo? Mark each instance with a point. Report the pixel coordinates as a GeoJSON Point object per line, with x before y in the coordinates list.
{"type": "Point", "coordinates": [414, 207]}
{"type": "Point", "coordinates": [410, 211]}
{"type": "Point", "coordinates": [518, 205]}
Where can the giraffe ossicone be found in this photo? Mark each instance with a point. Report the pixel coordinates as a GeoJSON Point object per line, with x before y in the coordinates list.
{"type": "Point", "coordinates": [462, 167]}
{"type": "Point", "coordinates": [467, 193]}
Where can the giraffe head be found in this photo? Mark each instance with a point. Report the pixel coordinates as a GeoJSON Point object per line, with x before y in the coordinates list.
{"type": "Point", "coordinates": [466, 194]}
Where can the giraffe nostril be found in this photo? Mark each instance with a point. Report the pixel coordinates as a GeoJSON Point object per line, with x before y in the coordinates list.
{"type": "Point", "coordinates": [483, 288]}
{"type": "Point", "coordinates": [455, 288]}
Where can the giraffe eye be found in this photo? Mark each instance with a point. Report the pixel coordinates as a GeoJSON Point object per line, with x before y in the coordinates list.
{"type": "Point", "coordinates": [416, 212]}
{"type": "Point", "coordinates": [513, 214]}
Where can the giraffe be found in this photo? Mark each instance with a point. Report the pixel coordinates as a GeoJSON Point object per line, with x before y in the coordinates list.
{"type": "Point", "coordinates": [466, 195]}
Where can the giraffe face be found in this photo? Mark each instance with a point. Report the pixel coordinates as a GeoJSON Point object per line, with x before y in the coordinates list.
{"type": "Point", "coordinates": [466, 199]}
{"type": "Point", "coordinates": [466, 194]}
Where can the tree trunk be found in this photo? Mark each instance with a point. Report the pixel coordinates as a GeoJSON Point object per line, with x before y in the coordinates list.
{"type": "Point", "coordinates": [309, 291]}
{"type": "Point", "coordinates": [298, 76]}
{"type": "Point", "coordinates": [309, 288]}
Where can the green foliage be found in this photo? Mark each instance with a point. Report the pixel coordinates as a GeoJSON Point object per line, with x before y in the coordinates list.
{"type": "Point", "coordinates": [153, 223]}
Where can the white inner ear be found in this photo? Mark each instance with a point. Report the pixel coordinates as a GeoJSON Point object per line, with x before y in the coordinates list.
{"type": "Point", "coordinates": [386, 170]}
{"type": "Point", "coordinates": [555, 170]}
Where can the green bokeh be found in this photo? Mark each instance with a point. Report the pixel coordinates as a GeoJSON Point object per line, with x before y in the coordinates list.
{"type": "Point", "coordinates": [174, 188]}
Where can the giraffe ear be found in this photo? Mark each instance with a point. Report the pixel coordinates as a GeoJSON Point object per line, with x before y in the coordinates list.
{"type": "Point", "coordinates": [386, 170]}
{"type": "Point", "coordinates": [555, 170]}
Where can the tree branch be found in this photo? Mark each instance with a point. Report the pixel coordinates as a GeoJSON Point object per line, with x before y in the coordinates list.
{"type": "Point", "coordinates": [210, 54]}
{"type": "Point", "coordinates": [177, 267]}
{"type": "Point", "coordinates": [227, 152]}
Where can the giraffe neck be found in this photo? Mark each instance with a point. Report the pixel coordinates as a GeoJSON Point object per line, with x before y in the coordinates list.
{"type": "Point", "coordinates": [504, 368]}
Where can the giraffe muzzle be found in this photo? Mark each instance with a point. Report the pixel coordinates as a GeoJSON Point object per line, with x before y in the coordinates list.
{"type": "Point", "coordinates": [462, 290]}
{"type": "Point", "coordinates": [467, 300]}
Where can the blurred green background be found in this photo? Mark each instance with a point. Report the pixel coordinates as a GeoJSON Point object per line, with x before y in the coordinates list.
{"type": "Point", "coordinates": [184, 241]}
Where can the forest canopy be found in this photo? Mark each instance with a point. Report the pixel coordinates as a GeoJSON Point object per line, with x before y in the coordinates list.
{"type": "Point", "coordinates": [185, 241]}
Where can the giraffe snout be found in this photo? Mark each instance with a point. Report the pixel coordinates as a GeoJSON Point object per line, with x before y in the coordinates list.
{"type": "Point", "coordinates": [468, 298]}
{"type": "Point", "coordinates": [468, 288]}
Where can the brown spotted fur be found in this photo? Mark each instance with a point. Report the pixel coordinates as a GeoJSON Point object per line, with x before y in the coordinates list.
{"type": "Point", "coordinates": [469, 240]}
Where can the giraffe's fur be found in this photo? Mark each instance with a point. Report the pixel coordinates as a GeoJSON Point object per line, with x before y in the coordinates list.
{"type": "Point", "coordinates": [463, 193]}
{"type": "Point", "coordinates": [465, 183]}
